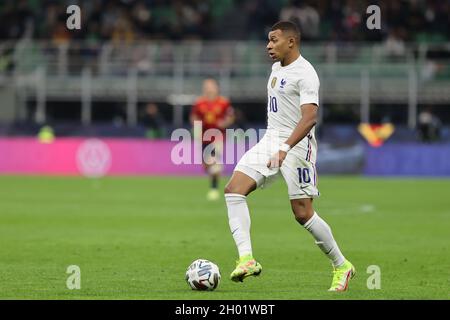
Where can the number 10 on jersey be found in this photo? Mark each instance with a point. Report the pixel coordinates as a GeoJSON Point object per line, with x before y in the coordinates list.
{"type": "Point", "coordinates": [273, 106]}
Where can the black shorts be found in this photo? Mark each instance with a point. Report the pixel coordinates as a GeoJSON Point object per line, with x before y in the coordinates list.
{"type": "Point", "coordinates": [205, 144]}
{"type": "Point", "coordinates": [217, 147]}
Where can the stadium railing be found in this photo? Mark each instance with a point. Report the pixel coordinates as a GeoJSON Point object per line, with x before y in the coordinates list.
{"type": "Point", "coordinates": [354, 73]}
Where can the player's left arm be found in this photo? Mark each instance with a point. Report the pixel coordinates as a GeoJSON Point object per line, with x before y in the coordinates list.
{"type": "Point", "coordinates": [229, 118]}
{"type": "Point", "coordinates": [304, 126]}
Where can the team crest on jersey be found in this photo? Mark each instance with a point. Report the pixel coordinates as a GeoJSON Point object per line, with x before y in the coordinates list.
{"type": "Point", "coordinates": [282, 83]}
{"type": "Point", "coordinates": [274, 81]}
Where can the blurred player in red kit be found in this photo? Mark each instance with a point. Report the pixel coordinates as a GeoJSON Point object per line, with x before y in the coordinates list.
{"type": "Point", "coordinates": [214, 112]}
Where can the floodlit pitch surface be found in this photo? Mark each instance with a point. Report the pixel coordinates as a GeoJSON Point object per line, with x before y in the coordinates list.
{"type": "Point", "coordinates": [133, 238]}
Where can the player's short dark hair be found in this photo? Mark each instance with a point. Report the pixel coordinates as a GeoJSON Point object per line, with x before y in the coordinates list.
{"type": "Point", "coordinates": [287, 26]}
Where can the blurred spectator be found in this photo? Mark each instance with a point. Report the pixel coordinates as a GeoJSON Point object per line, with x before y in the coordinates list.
{"type": "Point", "coordinates": [395, 45]}
{"type": "Point", "coordinates": [153, 121]}
{"type": "Point", "coordinates": [305, 16]}
{"type": "Point", "coordinates": [142, 16]}
{"type": "Point", "coordinates": [352, 22]}
{"type": "Point", "coordinates": [129, 20]}
{"type": "Point", "coordinates": [429, 126]}
{"type": "Point", "coordinates": [46, 134]}
{"type": "Point", "coordinates": [188, 20]}
{"type": "Point", "coordinates": [123, 32]}
{"type": "Point", "coordinates": [61, 34]}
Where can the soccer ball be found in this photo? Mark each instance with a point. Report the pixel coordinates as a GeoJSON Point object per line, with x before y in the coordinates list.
{"type": "Point", "coordinates": [203, 275]}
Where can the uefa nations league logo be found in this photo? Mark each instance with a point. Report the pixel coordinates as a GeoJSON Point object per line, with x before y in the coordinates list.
{"type": "Point", "coordinates": [94, 158]}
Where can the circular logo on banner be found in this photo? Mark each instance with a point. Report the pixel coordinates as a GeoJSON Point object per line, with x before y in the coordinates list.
{"type": "Point", "coordinates": [94, 158]}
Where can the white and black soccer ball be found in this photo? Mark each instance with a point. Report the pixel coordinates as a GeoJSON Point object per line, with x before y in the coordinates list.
{"type": "Point", "coordinates": [203, 275]}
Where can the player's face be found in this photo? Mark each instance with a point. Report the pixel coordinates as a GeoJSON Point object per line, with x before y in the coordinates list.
{"type": "Point", "coordinates": [278, 45]}
{"type": "Point", "coordinates": [210, 88]}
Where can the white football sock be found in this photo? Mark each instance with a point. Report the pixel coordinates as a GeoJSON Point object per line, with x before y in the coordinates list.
{"type": "Point", "coordinates": [239, 220]}
{"type": "Point", "coordinates": [321, 232]}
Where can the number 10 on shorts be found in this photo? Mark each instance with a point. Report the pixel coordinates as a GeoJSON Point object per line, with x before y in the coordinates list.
{"type": "Point", "coordinates": [303, 175]}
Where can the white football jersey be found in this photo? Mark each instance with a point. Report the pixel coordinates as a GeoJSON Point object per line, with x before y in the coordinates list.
{"type": "Point", "coordinates": [288, 88]}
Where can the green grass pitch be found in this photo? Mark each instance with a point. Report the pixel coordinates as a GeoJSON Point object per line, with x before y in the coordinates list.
{"type": "Point", "coordinates": [133, 238]}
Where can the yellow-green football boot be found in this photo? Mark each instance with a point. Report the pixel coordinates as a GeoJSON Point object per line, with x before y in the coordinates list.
{"type": "Point", "coordinates": [246, 266]}
{"type": "Point", "coordinates": [342, 276]}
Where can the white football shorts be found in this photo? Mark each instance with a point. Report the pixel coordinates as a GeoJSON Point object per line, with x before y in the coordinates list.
{"type": "Point", "coordinates": [299, 174]}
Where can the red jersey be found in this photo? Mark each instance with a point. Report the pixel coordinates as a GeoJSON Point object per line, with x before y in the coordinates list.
{"type": "Point", "coordinates": [211, 113]}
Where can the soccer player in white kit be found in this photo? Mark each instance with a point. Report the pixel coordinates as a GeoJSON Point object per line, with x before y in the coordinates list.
{"type": "Point", "coordinates": [288, 148]}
